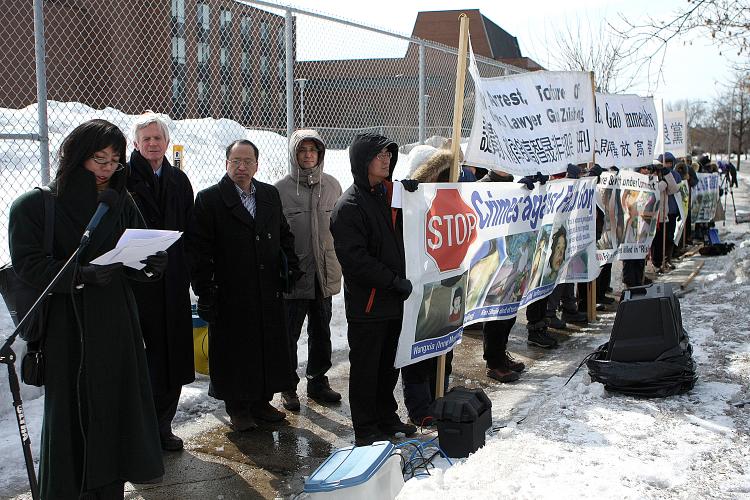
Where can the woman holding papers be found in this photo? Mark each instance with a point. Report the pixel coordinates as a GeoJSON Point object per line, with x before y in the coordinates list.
{"type": "Point", "coordinates": [100, 427]}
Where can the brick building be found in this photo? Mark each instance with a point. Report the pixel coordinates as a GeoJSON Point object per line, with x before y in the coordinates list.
{"type": "Point", "coordinates": [185, 58]}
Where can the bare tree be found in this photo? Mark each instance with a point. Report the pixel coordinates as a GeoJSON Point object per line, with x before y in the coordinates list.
{"type": "Point", "coordinates": [581, 48]}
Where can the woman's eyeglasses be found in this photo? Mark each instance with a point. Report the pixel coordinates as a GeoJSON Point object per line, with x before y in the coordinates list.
{"type": "Point", "coordinates": [103, 162]}
{"type": "Point", "coordinates": [384, 155]}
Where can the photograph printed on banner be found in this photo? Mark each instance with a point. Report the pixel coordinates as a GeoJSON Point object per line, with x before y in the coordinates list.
{"type": "Point", "coordinates": [483, 266]}
{"type": "Point", "coordinates": [540, 255]}
{"type": "Point", "coordinates": [554, 263]}
{"type": "Point", "coordinates": [442, 309]}
{"type": "Point", "coordinates": [512, 278]}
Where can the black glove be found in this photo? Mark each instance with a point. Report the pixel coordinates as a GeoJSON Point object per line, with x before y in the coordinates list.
{"type": "Point", "coordinates": [410, 185]}
{"type": "Point", "coordinates": [614, 169]}
{"type": "Point", "coordinates": [156, 263]}
{"type": "Point", "coordinates": [528, 182]}
{"type": "Point", "coordinates": [541, 178]}
{"type": "Point", "coordinates": [596, 171]}
{"type": "Point", "coordinates": [98, 275]}
{"type": "Point", "coordinates": [402, 286]}
{"type": "Point", "coordinates": [296, 275]}
{"type": "Point", "coordinates": [206, 308]}
{"type": "Point", "coordinates": [573, 171]}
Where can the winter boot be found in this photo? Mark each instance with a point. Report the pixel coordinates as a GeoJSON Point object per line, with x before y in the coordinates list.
{"type": "Point", "coordinates": [503, 374]}
{"type": "Point", "coordinates": [319, 389]}
{"type": "Point", "coordinates": [555, 322]}
{"type": "Point", "coordinates": [538, 336]}
{"type": "Point", "coordinates": [575, 317]}
{"type": "Point", "coordinates": [290, 401]}
{"type": "Point", "coordinates": [513, 364]}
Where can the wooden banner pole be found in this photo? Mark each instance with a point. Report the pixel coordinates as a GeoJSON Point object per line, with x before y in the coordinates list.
{"type": "Point", "coordinates": [458, 113]}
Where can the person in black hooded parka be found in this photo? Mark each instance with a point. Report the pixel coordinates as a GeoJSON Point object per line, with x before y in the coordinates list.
{"type": "Point", "coordinates": [165, 198]}
{"type": "Point", "coordinates": [99, 426]}
{"type": "Point", "coordinates": [369, 244]}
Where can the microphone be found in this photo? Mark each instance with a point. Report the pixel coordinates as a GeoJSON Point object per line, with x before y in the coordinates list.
{"type": "Point", "coordinates": [107, 198]}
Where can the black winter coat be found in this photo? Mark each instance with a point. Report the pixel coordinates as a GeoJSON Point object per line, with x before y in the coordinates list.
{"type": "Point", "coordinates": [164, 306]}
{"type": "Point", "coordinates": [239, 257]}
{"type": "Point", "coordinates": [122, 437]}
{"type": "Point", "coordinates": [368, 238]}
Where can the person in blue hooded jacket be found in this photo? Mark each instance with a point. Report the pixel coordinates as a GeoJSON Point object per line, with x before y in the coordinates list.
{"type": "Point", "coordinates": [369, 244]}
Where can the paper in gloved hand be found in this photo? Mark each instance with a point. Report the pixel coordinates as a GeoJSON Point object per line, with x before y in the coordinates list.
{"type": "Point", "coordinates": [137, 244]}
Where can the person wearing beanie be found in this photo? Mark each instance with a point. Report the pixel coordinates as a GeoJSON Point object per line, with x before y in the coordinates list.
{"type": "Point", "coordinates": [369, 243]}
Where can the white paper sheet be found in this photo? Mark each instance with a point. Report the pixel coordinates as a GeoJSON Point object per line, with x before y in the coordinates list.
{"type": "Point", "coordinates": [137, 244]}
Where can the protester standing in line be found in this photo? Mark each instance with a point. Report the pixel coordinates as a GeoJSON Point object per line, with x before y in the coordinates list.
{"type": "Point", "coordinates": [369, 244]}
{"type": "Point", "coordinates": [308, 196]}
{"type": "Point", "coordinates": [164, 196]}
{"type": "Point", "coordinates": [633, 270]}
{"type": "Point", "coordinates": [660, 246]}
{"type": "Point", "coordinates": [501, 365]}
{"type": "Point", "coordinates": [241, 259]}
{"type": "Point", "coordinates": [100, 427]}
{"type": "Point", "coordinates": [420, 379]}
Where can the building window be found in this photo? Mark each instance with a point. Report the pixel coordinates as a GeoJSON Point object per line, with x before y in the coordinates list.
{"type": "Point", "coordinates": [280, 38]}
{"type": "Point", "coordinates": [178, 11]}
{"type": "Point", "coordinates": [245, 62]}
{"type": "Point", "coordinates": [224, 56]}
{"type": "Point", "coordinates": [264, 31]}
{"type": "Point", "coordinates": [246, 26]}
{"type": "Point", "coordinates": [203, 16]}
{"type": "Point", "coordinates": [263, 65]}
{"type": "Point", "coordinates": [178, 50]}
{"type": "Point", "coordinates": [225, 18]}
{"type": "Point", "coordinates": [203, 52]}
{"type": "Point", "coordinates": [280, 69]}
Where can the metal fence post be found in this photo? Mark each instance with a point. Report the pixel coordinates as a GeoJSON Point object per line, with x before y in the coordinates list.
{"type": "Point", "coordinates": [422, 97]}
{"type": "Point", "coordinates": [289, 52]}
{"type": "Point", "coordinates": [41, 89]}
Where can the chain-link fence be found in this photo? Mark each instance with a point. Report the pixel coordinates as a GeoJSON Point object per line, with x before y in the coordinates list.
{"type": "Point", "coordinates": [219, 70]}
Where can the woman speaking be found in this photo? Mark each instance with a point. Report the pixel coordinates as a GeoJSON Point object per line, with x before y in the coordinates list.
{"type": "Point", "coordinates": [99, 427]}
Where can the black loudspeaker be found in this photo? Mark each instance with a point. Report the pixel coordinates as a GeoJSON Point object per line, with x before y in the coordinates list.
{"type": "Point", "coordinates": [463, 417]}
{"type": "Point", "coordinates": [647, 324]}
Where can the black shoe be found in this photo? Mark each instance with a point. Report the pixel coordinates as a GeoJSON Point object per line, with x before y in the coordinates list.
{"type": "Point", "coordinates": [368, 439]}
{"type": "Point", "coordinates": [601, 307]}
{"type": "Point", "coordinates": [503, 375]}
{"type": "Point", "coordinates": [514, 364]}
{"type": "Point", "coordinates": [170, 442]}
{"type": "Point", "coordinates": [542, 339]}
{"type": "Point", "coordinates": [393, 428]}
{"type": "Point", "coordinates": [242, 423]}
{"type": "Point", "coordinates": [605, 300]}
{"type": "Point", "coordinates": [290, 401]}
{"type": "Point", "coordinates": [555, 322]}
{"type": "Point", "coordinates": [319, 389]}
{"type": "Point", "coordinates": [262, 410]}
{"type": "Point", "coordinates": [578, 317]}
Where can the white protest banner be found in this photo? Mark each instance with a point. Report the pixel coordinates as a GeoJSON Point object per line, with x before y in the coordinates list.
{"type": "Point", "coordinates": [532, 122]}
{"type": "Point", "coordinates": [625, 131]}
{"type": "Point", "coordinates": [683, 205]}
{"type": "Point", "coordinates": [705, 198]}
{"type": "Point", "coordinates": [673, 133]}
{"type": "Point", "coordinates": [630, 202]}
{"type": "Point", "coordinates": [479, 251]}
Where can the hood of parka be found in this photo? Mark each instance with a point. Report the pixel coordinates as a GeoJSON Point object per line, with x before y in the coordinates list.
{"type": "Point", "coordinates": [307, 176]}
{"type": "Point", "coordinates": [363, 149]}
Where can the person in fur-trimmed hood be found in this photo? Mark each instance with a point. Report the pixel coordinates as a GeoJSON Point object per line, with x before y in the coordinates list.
{"type": "Point", "coordinates": [308, 196]}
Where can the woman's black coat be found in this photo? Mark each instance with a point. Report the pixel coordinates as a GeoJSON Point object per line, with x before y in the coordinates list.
{"type": "Point", "coordinates": [237, 258]}
{"type": "Point", "coordinates": [164, 305]}
{"type": "Point", "coordinates": [122, 439]}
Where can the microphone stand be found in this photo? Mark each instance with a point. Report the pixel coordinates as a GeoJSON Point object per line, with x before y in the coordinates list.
{"type": "Point", "coordinates": [8, 357]}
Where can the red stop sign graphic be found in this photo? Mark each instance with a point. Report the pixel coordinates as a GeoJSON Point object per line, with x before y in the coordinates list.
{"type": "Point", "coordinates": [451, 228]}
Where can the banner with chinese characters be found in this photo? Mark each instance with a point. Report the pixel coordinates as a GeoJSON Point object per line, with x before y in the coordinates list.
{"type": "Point", "coordinates": [479, 251]}
{"type": "Point", "coordinates": [532, 122]}
{"type": "Point", "coordinates": [683, 205]}
{"type": "Point", "coordinates": [630, 203]}
{"type": "Point", "coordinates": [704, 199]}
{"type": "Point", "coordinates": [673, 134]}
{"type": "Point", "coordinates": [625, 131]}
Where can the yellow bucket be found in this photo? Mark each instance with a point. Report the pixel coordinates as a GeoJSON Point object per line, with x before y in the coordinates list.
{"type": "Point", "coordinates": [200, 345]}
